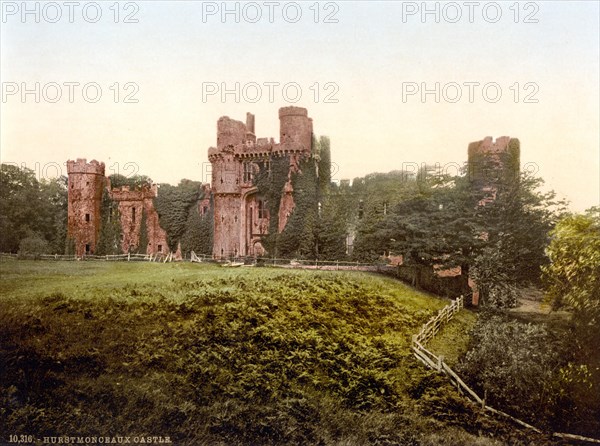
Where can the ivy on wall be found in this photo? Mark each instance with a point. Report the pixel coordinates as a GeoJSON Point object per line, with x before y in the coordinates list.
{"type": "Point", "coordinates": [198, 236]}
{"type": "Point", "coordinates": [173, 205]}
{"type": "Point", "coordinates": [270, 180]}
{"type": "Point", "coordinates": [109, 239]}
{"type": "Point", "coordinates": [142, 247]}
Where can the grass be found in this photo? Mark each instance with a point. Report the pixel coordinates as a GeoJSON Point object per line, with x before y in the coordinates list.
{"type": "Point", "coordinates": [209, 355]}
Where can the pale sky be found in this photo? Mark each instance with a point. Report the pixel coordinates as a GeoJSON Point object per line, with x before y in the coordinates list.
{"type": "Point", "coordinates": [369, 61]}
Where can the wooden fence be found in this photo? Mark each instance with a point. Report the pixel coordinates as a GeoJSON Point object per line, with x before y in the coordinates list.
{"type": "Point", "coordinates": [335, 265]}
{"type": "Point", "coordinates": [107, 258]}
{"type": "Point", "coordinates": [428, 331]}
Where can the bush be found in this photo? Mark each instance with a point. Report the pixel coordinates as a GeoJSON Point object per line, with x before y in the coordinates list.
{"type": "Point", "coordinates": [513, 364]}
{"type": "Point", "coordinates": [33, 246]}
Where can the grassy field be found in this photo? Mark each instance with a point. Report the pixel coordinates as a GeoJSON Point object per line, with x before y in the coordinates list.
{"type": "Point", "coordinates": [225, 356]}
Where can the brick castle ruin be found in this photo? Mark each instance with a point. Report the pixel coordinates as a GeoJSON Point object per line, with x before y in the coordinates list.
{"type": "Point", "coordinates": [241, 214]}
{"type": "Point", "coordinates": [86, 185]}
{"type": "Point", "coordinates": [241, 217]}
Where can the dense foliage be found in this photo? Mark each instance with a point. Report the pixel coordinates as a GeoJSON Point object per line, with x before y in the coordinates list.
{"type": "Point", "coordinates": [133, 182]}
{"type": "Point", "coordinates": [109, 238]}
{"type": "Point", "coordinates": [269, 181]}
{"type": "Point", "coordinates": [573, 276]}
{"type": "Point", "coordinates": [173, 205]}
{"type": "Point", "coordinates": [209, 355]}
{"type": "Point", "coordinates": [573, 282]}
{"type": "Point", "coordinates": [315, 227]}
{"type": "Point", "coordinates": [533, 371]}
{"type": "Point", "coordinates": [198, 235]}
{"type": "Point", "coordinates": [32, 210]}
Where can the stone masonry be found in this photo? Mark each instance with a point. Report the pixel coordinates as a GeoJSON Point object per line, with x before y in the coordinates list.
{"type": "Point", "coordinates": [240, 213]}
{"type": "Point", "coordinates": [86, 184]}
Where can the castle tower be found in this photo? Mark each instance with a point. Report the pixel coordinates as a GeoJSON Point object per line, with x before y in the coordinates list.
{"type": "Point", "coordinates": [241, 216]}
{"type": "Point", "coordinates": [226, 186]}
{"type": "Point", "coordinates": [85, 186]}
{"type": "Point", "coordinates": [494, 162]}
{"type": "Point", "coordinates": [295, 128]}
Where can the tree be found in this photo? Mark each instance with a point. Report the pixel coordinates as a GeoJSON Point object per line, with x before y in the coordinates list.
{"type": "Point", "coordinates": [572, 280]}
{"type": "Point", "coordinates": [33, 246]}
{"type": "Point", "coordinates": [440, 226]}
{"type": "Point", "coordinates": [514, 365]}
{"type": "Point", "coordinates": [31, 208]}
{"type": "Point", "coordinates": [19, 197]}
{"type": "Point", "coordinates": [573, 276]}
{"type": "Point", "coordinates": [371, 204]}
{"type": "Point", "coordinates": [134, 182]}
{"type": "Point", "coordinates": [54, 205]}
{"type": "Point", "coordinates": [332, 226]}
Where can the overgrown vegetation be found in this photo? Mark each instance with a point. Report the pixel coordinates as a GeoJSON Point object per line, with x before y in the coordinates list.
{"type": "Point", "coordinates": [109, 238]}
{"type": "Point", "coordinates": [533, 371]}
{"type": "Point", "coordinates": [198, 236]}
{"type": "Point", "coordinates": [173, 205]}
{"type": "Point", "coordinates": [208, 355]}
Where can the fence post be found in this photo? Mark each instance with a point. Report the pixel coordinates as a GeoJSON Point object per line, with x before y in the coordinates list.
{"type": "Point", "coordinates": [440, 362]}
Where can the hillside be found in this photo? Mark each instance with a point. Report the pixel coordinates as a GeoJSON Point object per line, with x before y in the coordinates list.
{"type": "Point", "coordinates": [209, 355]}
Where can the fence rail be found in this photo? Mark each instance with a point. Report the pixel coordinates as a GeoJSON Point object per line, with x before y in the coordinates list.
{"type": "Point", "coordinates": [334, 265]}
{"type": "Point", "coordinates": [91, 257]}
{"type": "Point", "coordinates": [435, 362]}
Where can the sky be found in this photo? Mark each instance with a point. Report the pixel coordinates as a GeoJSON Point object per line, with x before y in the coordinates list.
{"type": "Point", "coordinates": [141, 85]}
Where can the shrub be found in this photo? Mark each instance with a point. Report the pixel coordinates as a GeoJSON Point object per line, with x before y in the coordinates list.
{"type": "Point", "coordinates": [33, 246]}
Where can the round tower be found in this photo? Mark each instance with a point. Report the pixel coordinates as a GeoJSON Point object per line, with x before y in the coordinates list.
{"type": "Point", "coordinates": [295, 127]}
{"type": "Point", "coordinates": [85, 186]}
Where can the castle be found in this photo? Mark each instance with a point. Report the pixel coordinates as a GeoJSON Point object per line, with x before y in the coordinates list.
{"type": "Point", "coordinates": [86, 185]}
{"type": "Point", "coordinates": [240, 210]}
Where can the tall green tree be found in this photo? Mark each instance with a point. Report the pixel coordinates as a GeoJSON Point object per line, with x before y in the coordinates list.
{"type": "Point", "coordinates": [573, 276]}
{"type": "Point", "coordinates": [19, 198]}
{"type": "Point", "coordinates": [440, 226]}
{"type": "Point", "coordinates": [31, 208]}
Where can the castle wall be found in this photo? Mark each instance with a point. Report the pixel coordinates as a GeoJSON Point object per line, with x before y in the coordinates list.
{"type": "Point", "coordinates": [86, 184]}
{"type": "Point", "coordinates": [132, 203]}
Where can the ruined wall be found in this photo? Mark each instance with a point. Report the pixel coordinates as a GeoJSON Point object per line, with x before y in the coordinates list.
{"type": "Point", "coordinates": [86, 182]}
{"type": "Point", "coordinates": [237, 226]}
{"type": "Point", "coordinates": [132, 205]}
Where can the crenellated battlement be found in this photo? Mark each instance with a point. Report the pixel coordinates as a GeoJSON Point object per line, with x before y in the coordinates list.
{"type": "Point", "coordinates": [293, 111]}
{"type": "Point", "coordinates": [82, 166]}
